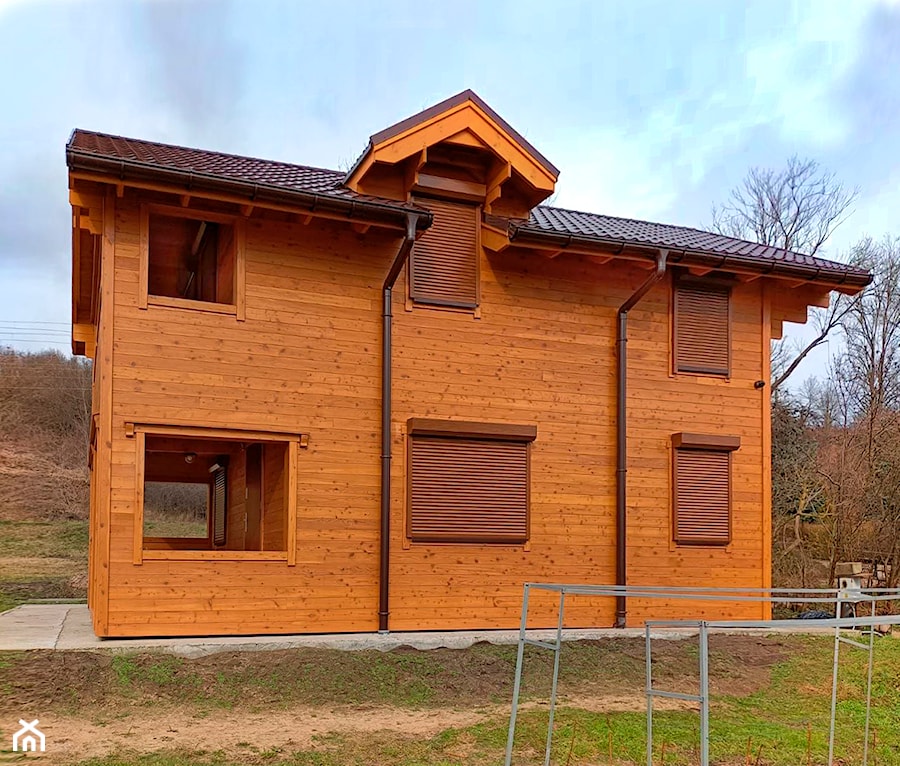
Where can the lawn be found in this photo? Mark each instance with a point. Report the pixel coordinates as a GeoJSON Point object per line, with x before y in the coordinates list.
{"type": "Point", "coordinates": [42, 560]}
{"type": "Point", "coordinates": [437, 708]}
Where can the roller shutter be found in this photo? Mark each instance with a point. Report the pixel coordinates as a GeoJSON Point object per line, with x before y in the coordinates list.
{"type": "Point", "coordinates": [219, 503]}
{"type": "Point", "coordinates": [702, 336]}
{"type": "Point", "coordinates": [468, 490]}
{"type": "Point", "coordinates": [702, 503]}
{"type": "Point", "coordinates": [444, 261]}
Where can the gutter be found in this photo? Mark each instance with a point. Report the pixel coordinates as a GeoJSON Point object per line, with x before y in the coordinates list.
{"type": "Point", "coordinates": [818, 274]}
{"type": "Point", "coordinates": [352, 207]}
{"type": "Point", "coordinates": [412, 222]}
{"type": "Point", "coordinates": [622, 430]}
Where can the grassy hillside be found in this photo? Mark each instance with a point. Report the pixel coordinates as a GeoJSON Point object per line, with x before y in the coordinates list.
{"type": "Point", "coordinates": [45, 408]}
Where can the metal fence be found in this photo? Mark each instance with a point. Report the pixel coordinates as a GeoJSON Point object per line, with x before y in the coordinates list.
{"type": "Point", "coordinates": [834, 599]}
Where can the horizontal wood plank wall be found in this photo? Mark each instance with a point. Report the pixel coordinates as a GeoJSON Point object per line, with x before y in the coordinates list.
{"type": "Point", "coordinates": [543, 353]}
{"type": "Point", "coordinates": [662, 404]}
{"type": "Point", "coordinates": [305, 360]}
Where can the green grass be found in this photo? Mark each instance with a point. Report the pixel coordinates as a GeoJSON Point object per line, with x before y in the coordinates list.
{"type": "Point", "coordinates": [39, 559]}
{"type": "Point", "coordinates": [772, 722]}
{"type": "Point", "coordinates": [44, 539]}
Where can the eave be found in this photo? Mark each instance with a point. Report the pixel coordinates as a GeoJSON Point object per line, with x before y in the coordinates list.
{"type": "Point", "coordinates": [836, 279]}
{"type": "Point", "coordinates": [99, 168]}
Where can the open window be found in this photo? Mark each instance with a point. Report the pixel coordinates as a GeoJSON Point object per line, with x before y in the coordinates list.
{"type": "Point", "coordinates": [191, 259]}
{"type": "Point", "coordinates": [213, 495]}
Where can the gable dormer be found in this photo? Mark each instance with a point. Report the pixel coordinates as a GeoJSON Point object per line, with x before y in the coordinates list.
{"type": "Point", "coordinates": [459, 149]}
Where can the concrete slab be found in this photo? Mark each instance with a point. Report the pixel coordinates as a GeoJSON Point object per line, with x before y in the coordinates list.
{"type": "Point", "coordinates": [32, 627]}
{"type": "Point", "coordinates": [68, 627]}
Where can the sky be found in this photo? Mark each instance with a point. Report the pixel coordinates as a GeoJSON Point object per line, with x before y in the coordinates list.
{"type": "Point", "coordinates": [651, 110]}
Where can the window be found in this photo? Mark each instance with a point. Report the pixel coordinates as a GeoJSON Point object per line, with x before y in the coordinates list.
{"type": "Point", "coordinates": [190, 259]}
{"type": "Point", "coordinates": [702, 488]}
{"type": "Point", "coordinates": [468, 482]}
{"type": "Point", "coordinates": [214, 493]}
{"type": "Point", "coordinates": [443, 266]}
{"type": "Point", "coordinates": [702, 329]}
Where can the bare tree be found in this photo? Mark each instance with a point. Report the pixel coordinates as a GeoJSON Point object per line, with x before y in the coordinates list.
{"type": "Point", "coordinates": [794, 209]}
{"type": "Point", "coordinates": [868, 371]}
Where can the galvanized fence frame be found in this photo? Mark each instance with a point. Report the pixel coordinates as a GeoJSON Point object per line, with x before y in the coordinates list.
{"type": "Point", "coordinates": [830, 597]}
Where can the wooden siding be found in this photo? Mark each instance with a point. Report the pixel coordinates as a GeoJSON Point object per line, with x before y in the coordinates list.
{"type": "Point", "coordinates": [307, 360]}
{"type": "Point", "coordinates": [543, 353]}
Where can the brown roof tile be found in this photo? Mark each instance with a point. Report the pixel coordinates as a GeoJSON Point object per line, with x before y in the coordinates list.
{"type": "Point", "coordinates": [543, 220]}
{"type": "Point", "coordinates": [630, 231]}
{"type": "Point", "coordinates": [250, 170]}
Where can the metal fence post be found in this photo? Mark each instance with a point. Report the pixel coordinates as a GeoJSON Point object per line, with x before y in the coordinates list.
{"type": "Point", "coordinates": [517, 684]}
{"type": "Point", "coordinates": [869, 688]}
{"type": "Point", "coordinates": [558, 651]}
{"type": "Point", "coordinates": [834, 683]}
{"type": "Point", "coordinates": [704, 694]}
{"type": "Point", "coordinates": [648, 661]}
{"type": "Point", "coordinates": [741, 595]}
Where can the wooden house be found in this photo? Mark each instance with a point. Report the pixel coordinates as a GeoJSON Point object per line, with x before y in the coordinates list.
{"type": "Point", "coordinates": [402, 391]}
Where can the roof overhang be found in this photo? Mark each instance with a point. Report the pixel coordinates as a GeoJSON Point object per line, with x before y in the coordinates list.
{"type": "Point", "coordinates": [120, 173]}
{"type": "Point", "coordinates": [462, 120]}
{"type": "Point", "coordinates": [850, 282]}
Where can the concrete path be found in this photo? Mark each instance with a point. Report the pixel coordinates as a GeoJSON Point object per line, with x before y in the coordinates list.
{"type": "Point", "coordinates": [68, 627]}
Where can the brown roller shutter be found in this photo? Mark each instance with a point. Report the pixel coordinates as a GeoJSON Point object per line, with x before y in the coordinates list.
{"type": "Point", "coordinates": [468, 490]}
{"type": "Point", "coordinates": [702, 503]}
{"type": "Point", "coordinates": [219, 504]}
{"type": "Point", "coordinates": [702, 331]}
{"type": "Point", "coordinates": [444, 261]}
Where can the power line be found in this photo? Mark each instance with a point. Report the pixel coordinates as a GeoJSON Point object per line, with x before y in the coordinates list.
{"type": "Point", "coordinates": [33, 321]}
{"type": "Point", "coordinates": [30, 334]}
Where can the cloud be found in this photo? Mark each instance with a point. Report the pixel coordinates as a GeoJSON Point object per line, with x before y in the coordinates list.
{"type": "Point", "coordinates": [33, 230]}
{"type": "Point", "coordinates": [194, 65]}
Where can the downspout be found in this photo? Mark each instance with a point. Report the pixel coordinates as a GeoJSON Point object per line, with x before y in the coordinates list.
{"type": "Point", "coordinates": [622, 429]}
{"type": "Point", "coordinates": [386, 321]}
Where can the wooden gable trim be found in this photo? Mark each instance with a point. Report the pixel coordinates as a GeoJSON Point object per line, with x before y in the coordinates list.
{"type": "Point", "coordinates": [461, 100]}
{"type": "Point", "coordinates": [465, 114]}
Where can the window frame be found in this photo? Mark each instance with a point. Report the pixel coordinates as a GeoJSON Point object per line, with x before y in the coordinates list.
{"type": "Point", "coordinates": [708, 284]}
{"type": "Point", "coordinates": [146, 299]}
{"type": "Point", "coordinates": [692, 442]}
{"type": "Point", "coordinates": [468, 431]}
{"type": "Point", "coordinates": [294, 441]}
{"type": "Point", "coordinates": [456, 306]}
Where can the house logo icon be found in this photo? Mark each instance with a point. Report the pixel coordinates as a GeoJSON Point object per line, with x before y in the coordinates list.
{"type": "Point", "coordinates": [28, 738]}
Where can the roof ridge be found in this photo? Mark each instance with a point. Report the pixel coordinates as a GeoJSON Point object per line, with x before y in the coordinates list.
{"type": "Point", "coordinates": [231, 155]}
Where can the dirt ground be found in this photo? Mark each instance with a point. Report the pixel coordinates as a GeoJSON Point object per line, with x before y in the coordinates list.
{"type": "Point", "coordinates": [296, 728]}
{"type": "Point", "coordinates": [91, 704]}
